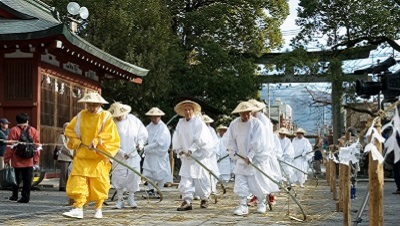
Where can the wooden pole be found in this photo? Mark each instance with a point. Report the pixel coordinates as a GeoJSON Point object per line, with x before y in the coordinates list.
{"type": "Point", "coordinates": [341, 183]}
{"type": "Point", "coordinates": [375, 173]}
{"type": "Point", "coordinates": [343, 180]}
{"type": "Point", "coordinates": [346, 195]}
{"type": "Point", "coordinates": [333, 180]}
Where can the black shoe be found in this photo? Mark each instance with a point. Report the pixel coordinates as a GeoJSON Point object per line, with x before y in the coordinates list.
{"type": "Point", "coordinates": [204, 204]}
{"type": "Point", "coordinates": [13, 198]}
{"type": "Point", "coordinates": [61, 189]}
{"type": "Point", "coordinates": [396, 192]}
{"type": "Point", "coordinates": [184, 206]}
{"type": "Point", "coordinates": [23, 201]}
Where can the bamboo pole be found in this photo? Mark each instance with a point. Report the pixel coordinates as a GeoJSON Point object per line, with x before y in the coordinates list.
{"type": "Point", "coordinates": [375, 173]}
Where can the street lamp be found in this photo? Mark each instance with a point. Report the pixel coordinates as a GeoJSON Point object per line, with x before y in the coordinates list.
{"type": "Point", "coordinates": [76, 15]}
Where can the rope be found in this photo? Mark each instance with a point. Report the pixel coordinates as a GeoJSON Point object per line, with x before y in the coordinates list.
{"type": "Point", "coordinates": [128, 167]}
{"type": "Point", "coordinates": [281, 187]}
{"type": "Point", "coordinates": [15, 142]}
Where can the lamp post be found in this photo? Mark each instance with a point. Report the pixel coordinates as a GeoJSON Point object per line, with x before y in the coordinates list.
{"type": "Point", "coordinates": [76, 15]}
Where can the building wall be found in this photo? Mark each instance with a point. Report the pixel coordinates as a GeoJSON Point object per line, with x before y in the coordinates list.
{"type": "Point", "coordinates": [59, 104]}
{"type": "Point", "coordinates": [46, 93]}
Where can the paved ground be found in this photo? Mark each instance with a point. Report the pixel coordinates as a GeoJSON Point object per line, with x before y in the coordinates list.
{"type": "Point", "coordinates": [48, 204]}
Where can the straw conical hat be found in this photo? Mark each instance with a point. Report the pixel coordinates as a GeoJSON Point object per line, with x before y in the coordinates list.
{"type": "Point", "coordinates": [179, 107]}
{"type": "Point", "coordinates": [300, 130]}
{"type": "Point", "coordinates": [283, 130]}
{"type": "Point", "coordinates": [221, 127]}
{"type": "Point", "coordinates": [207, 119]}
{"type": "Point", "coordinates": [155, 112]}
{"type": "Point", "coordinates": [258, 106]}
{"type": "Point", "coordinates": [93, 97]}
{"type": "Point", "coordinates": [243, 107]}
{"type": "Point", "coordinates": [117, 109]}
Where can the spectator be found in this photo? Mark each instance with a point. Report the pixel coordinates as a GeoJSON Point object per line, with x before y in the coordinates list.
{"type": "Point", "coordinates": [23, 165]}
{"type": "Point", "coordinates": [64, 158]}
{"type": "Point", "coordinates": [3, 137]}
{"type": "Point", "coordinates": [318, 160]}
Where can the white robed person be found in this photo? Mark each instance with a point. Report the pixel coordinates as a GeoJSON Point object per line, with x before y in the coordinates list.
{"type": "Point", "coordinates": [302, 152]}
{"type": "Point", "coordinates": [192, 138]}
{"type": "Point", "coordinates": [246, 136]}
{"type": "Point", "coordinates": [213, 155]}
{"type": "Point", "coordinates": [156, 162]}
{"type": "Point", "coordinates": [287, 155]}
{"type": "Point", "coordinates": [224, 164]}
{"type": "Point", "coordinates": [133, 135]}
{"type": "Point", "coordinates": [273, 149]}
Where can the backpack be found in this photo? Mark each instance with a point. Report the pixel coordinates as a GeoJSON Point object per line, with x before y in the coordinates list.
{"type": "Point", "coordinates": [27, 148]}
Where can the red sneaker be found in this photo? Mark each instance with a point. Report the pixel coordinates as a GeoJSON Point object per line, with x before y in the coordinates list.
{"type": "Point", "coordinates": [253, 201]}
{"type": "Point", "coordinates": [271, 199]}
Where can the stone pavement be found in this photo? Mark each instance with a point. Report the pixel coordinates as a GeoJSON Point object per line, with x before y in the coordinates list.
{"type": "Point", "coordinates": [47, 205]}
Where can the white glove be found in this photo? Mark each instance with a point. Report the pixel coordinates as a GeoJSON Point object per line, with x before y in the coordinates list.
{"type": "Point", "coordinates": [140, 146]}
{"type": "Point", "coordinates": [303, 154]}
{"type": "Point", "coordinates": [36, 167]}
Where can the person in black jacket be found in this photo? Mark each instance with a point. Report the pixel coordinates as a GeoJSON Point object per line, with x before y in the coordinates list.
{"type": "Point", "coordinates": [4, 130]}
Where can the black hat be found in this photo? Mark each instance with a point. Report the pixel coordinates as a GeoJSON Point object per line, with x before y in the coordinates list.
{"type": "Point", "coordinates": [4, 121]}
{"type": "Point", "coordinates": [352, 131]}
{"type": "Point", "coordinates": [22, 118]}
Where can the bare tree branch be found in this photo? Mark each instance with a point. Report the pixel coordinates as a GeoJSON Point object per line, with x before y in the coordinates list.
{"type": "Point", "coordinates": [371, 40]}
{"type": "Point", "coordinates": [323, 99]}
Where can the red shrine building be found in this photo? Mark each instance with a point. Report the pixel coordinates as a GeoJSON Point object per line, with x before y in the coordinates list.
{"type": "Point", "coordinates": [45, 69]}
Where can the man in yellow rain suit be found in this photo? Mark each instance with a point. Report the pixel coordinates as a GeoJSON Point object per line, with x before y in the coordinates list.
{"type": "Point", "coordinates": [89, 179]}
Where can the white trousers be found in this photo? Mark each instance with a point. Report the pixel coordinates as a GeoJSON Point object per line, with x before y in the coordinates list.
{"type": "Point", "coordinates": [126, 179]}
{"type": "Point", "coordinates": [246, 185]}
{"type": "Point", "coordinates": [188, 186]}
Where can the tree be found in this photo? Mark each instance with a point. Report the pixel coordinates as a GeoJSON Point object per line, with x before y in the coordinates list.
{"type": "Point", "coordinates": [347, 23]}
{"type": "Point", "coordinates": [213, 35]}
{"type": "Point", "coordinates": [193, 48]}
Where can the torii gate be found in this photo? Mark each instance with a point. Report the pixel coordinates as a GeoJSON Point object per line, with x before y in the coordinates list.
{"type": "Point", "coordinates": [325, 56]}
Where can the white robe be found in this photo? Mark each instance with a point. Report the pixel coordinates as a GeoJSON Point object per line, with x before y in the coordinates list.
{"type": "Point", "coordinates": [215, 151]}
{"type": "Point", "coordinates": [287, 156]}
{"type": "Point", "coordinates": [156, 162]}
{"type": "Point", "coordinates": [194, 136]}
{"type": "Point", "coordinates": [224, 165]}
{"type": "Point", "coordinates": [301, 148]}
{"type": "Point", "coordinates": [249, 140]}
{"type": "Point", "coordinates": [273, 149]}
{"type": "Point", "coordinates": [132, 133]}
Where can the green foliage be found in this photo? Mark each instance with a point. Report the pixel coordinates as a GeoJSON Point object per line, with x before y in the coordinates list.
{"type": "Point", "coordinates": [192, 48]}
{"type": "Point", "coordinates": [297, 62]}
{"type": "Point", "coordinates": [344, 22]}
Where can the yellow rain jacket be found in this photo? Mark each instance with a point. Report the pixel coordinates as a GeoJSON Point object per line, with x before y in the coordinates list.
{"type": "Point", "coordinates": [89, 179]}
